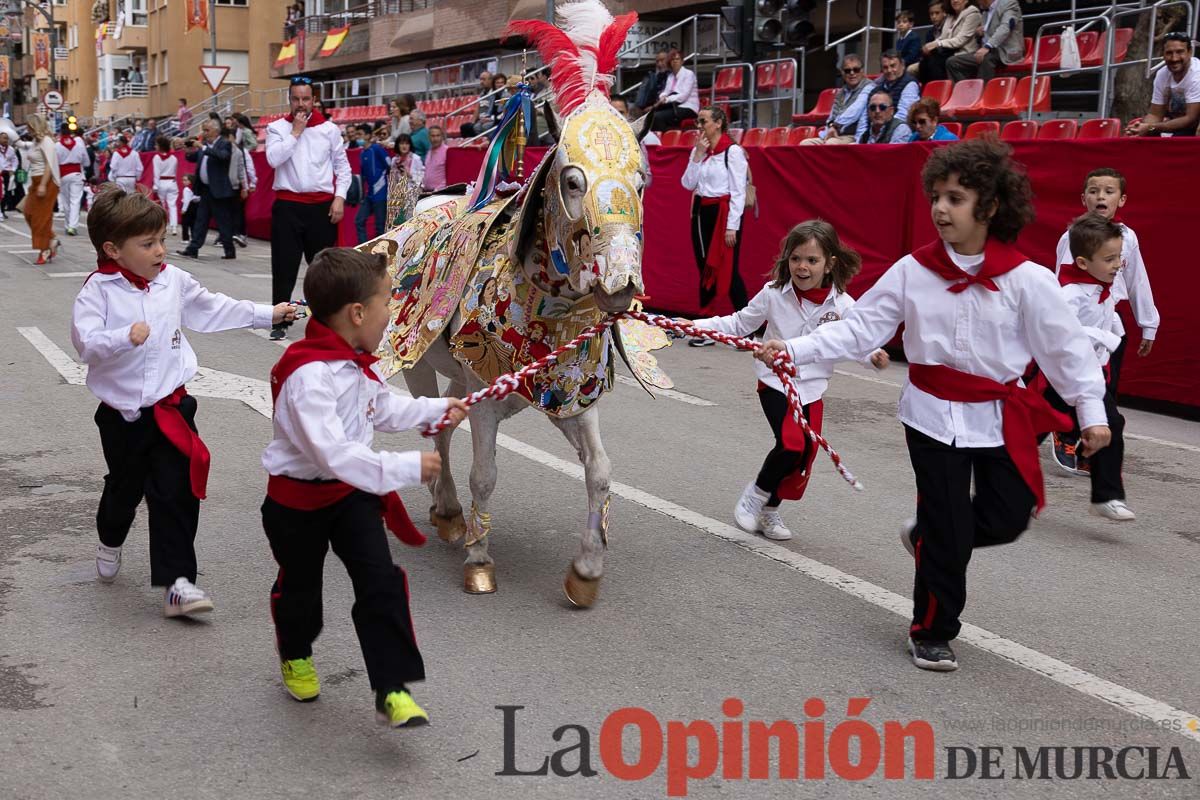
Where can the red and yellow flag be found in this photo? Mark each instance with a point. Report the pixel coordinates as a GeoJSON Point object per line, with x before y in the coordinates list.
{"type": "Point", "coordinates": [287, 52]}
{"type": "Point", "coordinates": [333, 40]}
{"type": "Point", "coordinates": [197, 15]}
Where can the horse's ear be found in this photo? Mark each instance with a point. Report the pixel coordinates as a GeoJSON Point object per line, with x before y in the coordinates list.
{"type": "Point", "coordinates": [551, 120]}
{"type": "Point", "coordinates": [641, 126]}
{"type": "Point", "coordinates": [531, 208]}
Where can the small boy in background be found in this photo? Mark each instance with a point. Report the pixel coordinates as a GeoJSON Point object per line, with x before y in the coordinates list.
{"type": "Point", "coordinates": [907, 43]}
{"type": "Point", "coordinates": [189, 203]}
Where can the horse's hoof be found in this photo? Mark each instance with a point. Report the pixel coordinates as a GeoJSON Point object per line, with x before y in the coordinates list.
{"type": "Point", "coordinates": [580, 591]}
{"type": "Point", "coordinates": [449, 529]}
{"type": "Point", "coordinates": [479, 578]}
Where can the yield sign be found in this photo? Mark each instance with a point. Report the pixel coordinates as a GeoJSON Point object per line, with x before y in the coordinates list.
{"type": "Point", "coordinates": [214, 76]}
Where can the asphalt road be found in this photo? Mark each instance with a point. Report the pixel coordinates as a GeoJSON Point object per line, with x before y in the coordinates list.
{"type": "Point", "coordinates": [1081, 635]}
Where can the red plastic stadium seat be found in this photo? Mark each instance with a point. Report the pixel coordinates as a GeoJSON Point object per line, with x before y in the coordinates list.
{"type": "Point", "coordinates": [965, 95]}
{"type": "Point", "coordinates": [997, 96]}
{"type": "Point", "coordinates": [953, 127]}
{"type": "Point", "coordinates": [764, 78]}
{"type": "Point", "coordinates": [819, 112]}
{"type": "Point", "coordinates": [1089, 47]}
{"type": "Point", "coordinates": [754, 137]}
{"type": "Point", "coordinates": [1095, 56]}
{"type": "Point", "coordinates": [785, 75]}
{"type": "Point", "coordinates": [1121, 43]}
{"type": "Point", "coordinates": [938, 90]}
{"type": "Point", "coordinates": [1026, 63]}
{"type": "Point", "coordinates": [982, 128]}
{"type": "Point", "coordinates": [688, 123]}
{"type": "Point", "coordinates": [1020, 98]}
{"type": "Point", "coordinates": [776, 137]}
{"type": "Point", "coordinates": [1019, 129]}
{"type": "Point", "coordinates": [669, 138]}
{"type": "Point", "coordinates": [800, 133]}
{"type": "Point", "coordinates": [1050, 56]}
{"type": "Point", "coordinates": [728, 82]}
{"type": "Point", "coordinates": [688, 138]}
{"type": "Point", "coordinates": [1109, 128]}
{"type": "Point", "coordinates": [1058, 129]}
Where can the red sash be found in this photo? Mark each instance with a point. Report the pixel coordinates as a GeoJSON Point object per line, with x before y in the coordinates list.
{"type": "Point", "coordinates": [1071, 273]}
{"type": "Point", "coordinates": [69, 169]}
{"type": "Point", "coordinates": [717, 273]}
{"type": "Point", "coordinates": [796, 441]}
{"type": "Point", "coordinates": [320, 343]}
{"type": "Point", "coordinates": [1025, 413]}
{"type": "Point", "coordinates": [310, 198]}
{"type": "Point", "coordinates": [187, 441]}
{"type": "Point", "coordinates": [998, 258]}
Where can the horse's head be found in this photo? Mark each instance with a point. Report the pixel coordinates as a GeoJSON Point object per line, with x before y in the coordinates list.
{"type": "Point", "coordinates": [592, 214]}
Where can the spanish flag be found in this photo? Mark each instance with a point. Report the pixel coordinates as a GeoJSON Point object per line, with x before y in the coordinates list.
{"type": "Point", "coordinates": [287, 52]}
{"type": "Point", "coordinates": [333, 40]}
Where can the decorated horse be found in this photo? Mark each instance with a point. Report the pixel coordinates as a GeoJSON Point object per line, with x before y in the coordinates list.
{"type": "Point", "coordinates": [498, 277]}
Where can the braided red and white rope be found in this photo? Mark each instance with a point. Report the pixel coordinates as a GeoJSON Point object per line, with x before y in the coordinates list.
{"type": "Point", "coordinates": [782, 366]}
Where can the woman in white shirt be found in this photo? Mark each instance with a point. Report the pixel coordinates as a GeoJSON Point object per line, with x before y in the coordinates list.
{"type": "Point", "coordinates": [43, 189]}
{"type": "Point", "coordinates": [166, 186]}
{"type": "Point", "coordinates": [957, 36]}
{"type": "Point", "coordinates": [680, 98]}
{"type": "Point", "coordinates": [716, 173]}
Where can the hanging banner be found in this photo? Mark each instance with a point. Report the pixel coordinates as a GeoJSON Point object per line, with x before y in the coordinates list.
{"type": "Point", "coordinates": [197, 15]}
{"type": "Point", "coordinates": [4, 80]}
{"type": "Point", "coordinates": [301, 41]}
{"type": "Point", "coordinates": [41, 52]}
{"type": "Point", "coordinates": [333, 40]}
{"type": "Point", "coordinates": [287, 53]}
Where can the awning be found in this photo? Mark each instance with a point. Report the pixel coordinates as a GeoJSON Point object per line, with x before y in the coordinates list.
{"type": "Point", "coordinates": [333, 40]}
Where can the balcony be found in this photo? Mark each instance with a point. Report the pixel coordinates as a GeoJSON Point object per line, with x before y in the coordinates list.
{"type": "Point", "coordinates": [320, 23]}
{"type": "Point", "coordinates": [133, 39]}
{"type": "Point", "coordinates": [124, 90]}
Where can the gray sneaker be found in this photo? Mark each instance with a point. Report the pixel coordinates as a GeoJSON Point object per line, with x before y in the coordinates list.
{"type": "Point", "coordinates": [932, 655]}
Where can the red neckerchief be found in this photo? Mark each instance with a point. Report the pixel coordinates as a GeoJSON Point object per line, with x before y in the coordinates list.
{"type": "Point", "coordinates": [1071, 273]}
{"type": "Point", "coordinates": [723, 144]}
{"type": "Point", "coordinates": [123, 151]}
{"type": "Point", "coordinates": [107, 266]}
{"type": "Point", "coordinates": [816, 295]}
{"type": "Point", "coordinates": [315, 118]}
{"type": "Point", "coordinates": [998, 258]}
{"type": "Point", "coordinates": [322, 343]}
{"type": "Point", "coordinates": [67, 142]}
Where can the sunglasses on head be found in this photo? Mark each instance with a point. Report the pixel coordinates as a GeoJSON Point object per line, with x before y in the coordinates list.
{"type": "Point", "coordinates": [851, 70]}
{"type": "Point", "coordinates": [879, 106]}
{"type": "Point", "coordinates": [1178, 36]}
{"type": "Point", "coordinates": [300, 80]}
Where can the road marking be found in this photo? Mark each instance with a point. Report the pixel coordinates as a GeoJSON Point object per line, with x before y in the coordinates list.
{"type": "Point", "coordinates": [682, 397]}
{"type": "Point", "coordinates": [17, 231]}
{"type": "Point", "coordinates": [256, 395]}
{"type": "Point", "coordinates": [266, 334]}
{"type": "Point", "coordinates": [254, 275]}
{"type": "Point", "coordinates": [66, 274]}
{"type": "Point", "coordinates": [867, 378]}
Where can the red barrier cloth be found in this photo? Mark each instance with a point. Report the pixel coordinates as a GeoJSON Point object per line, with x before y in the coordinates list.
{"type": "Point", "coordinates": [872, 194]}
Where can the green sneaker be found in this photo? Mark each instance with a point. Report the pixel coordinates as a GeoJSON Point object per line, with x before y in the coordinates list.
{"type": "Point", "coordinates": [399, 710]}
{"type": "Point", "coordinates": [300, 679]}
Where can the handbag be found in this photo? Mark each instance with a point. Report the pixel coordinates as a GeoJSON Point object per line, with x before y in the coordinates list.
{"type": "Point", "coordinates": [21, 176]}
{"type": "Point", "coordinates": [21, 204]}
{"type": "Point", "coordinates": [751, 194]}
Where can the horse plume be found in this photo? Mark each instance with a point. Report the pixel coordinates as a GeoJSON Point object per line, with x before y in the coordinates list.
{"type": "Point", "coordinates": [582, 54]}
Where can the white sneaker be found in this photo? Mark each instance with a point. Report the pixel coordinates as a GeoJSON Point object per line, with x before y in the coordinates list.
{"type": "Point", "coordinates": [183, 597]}
{"type": "Point", "coordinates": [1114, 509]}
{"type": "Point", "coordinates": [108, 562]}
{"type": "Point", "coordinates": [771, 525]}
{"type": "Point", "coordinates": [748, 507]}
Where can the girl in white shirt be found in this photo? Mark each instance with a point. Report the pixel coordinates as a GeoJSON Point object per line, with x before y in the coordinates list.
{"type": "Point", "coordinates": [809, 289]}
{"type": "Point", "coordinates": [975, 313]}
{"type": "Point", "coordinates": [166, 170]}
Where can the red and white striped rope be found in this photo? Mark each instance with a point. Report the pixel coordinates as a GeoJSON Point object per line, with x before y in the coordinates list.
{"type": "Point", "coordinates": [782, 366]}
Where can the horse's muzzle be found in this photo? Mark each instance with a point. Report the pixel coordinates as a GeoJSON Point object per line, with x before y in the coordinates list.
{"type": "Point", "coordinates": [615, 302]}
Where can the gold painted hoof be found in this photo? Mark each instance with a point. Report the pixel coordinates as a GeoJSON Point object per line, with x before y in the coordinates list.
{"type": "Point", "coordinates": [449, 529]}
{"type": "Point", "coordinates": [479, 578]}
{"type": "Point", "coordinates": [580, 591]}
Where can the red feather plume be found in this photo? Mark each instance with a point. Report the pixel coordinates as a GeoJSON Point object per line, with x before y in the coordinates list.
{"type": "Point", "coordinates": [611, 40]}
{"type": "Point", "coordinates": [549, 40]}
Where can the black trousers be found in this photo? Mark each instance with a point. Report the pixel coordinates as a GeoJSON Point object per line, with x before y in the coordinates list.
{"type": "Point", "coordinates": [142, 463]}
{"type": "Point", "coordinates": [780, 462]}
{"type": "Point", "coordinates": [188, 221]}
{"type": "Point", "coordinates": [238, 208]}
{"type": "Point", "coordinates": [1114, 365]}
{"type": "Point", "coordinates": [1105, 464]}
{"type": "Point", "coordinates": [933, 66]}
{"type": "Point", "coordinates": [669, 116]}
{"type": "Point", "coordinates": [354, 528]}
{"type": "Point", "coordinates": [704, 221]}
{"type": "Point", "coordinates": [951, 523]}
{"type": "Point", "coordinates": [297, 229]}
{"type": "Point", "coordinates": [209, 208]}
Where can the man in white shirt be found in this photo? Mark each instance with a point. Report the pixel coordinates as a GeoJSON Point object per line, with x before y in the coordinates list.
{"type": "Point", "coordinates": [306, 152]}
{"type": "Point", "coordinates": [73, 159]}
{"type": "Point", "coordinates": [1175, 104]}
{"type": "Point", "coordinates": [8, 165]}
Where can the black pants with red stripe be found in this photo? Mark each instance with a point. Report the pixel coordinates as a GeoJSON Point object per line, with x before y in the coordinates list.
{"type": "Point", "coordinates": [353, 527]}
{"type": "Point", "coordinates": [951, 523]}
{"type": "Point", "coordinates": [1104, 466]}
{"type": "Point", "coordinates": [780, 462]}
{"type": "Point", "coordinates": [704, 222]}
{"type": "Point", "coordinates": [143, 463]}
{"type": "Point", "coordinates": [298, 230]}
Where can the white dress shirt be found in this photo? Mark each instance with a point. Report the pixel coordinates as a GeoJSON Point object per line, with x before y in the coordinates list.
{"type": "Point", "coordinates": [188, 198]}
{"type": "Point", "coordinates": [129, 166]}
{"type": "Point", "coordinates": [1132, 283]}
{"type": "Point", "coordinates": [719, 175]}
{"type": "Point", "coordinates": [308, 163]}
{"type": "Point", "coordinates": [76, 155]}
{"type": "Point", "coordinates": [326, 416]}
{"type": "Point", "coordinates": [128, 377]}
{"type": "Point", "coordinates": [787, 316]}
{"type": "Point", "coordinates": [165, 168]}
{"type": "Point", "coordinates": [8, 159]}
{"type": "Point", "coordinates": [681, 88]}
{"type": "Point", "coordinates": [1099, 320]}
{"type": "Point", "coordinates": [990, 334]}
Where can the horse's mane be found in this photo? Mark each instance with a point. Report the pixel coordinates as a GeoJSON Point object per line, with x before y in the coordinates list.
{"type": "Point", "coordinates": [582, 54]}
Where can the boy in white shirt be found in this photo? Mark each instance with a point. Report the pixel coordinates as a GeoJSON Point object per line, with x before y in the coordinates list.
{"type": "Point", "coordinates": [975, 313]}
{"type": "Point", "coordinates": [328, 488]}
{"type": "Point", "coordinates": [127, 326]}
{"type": "Point", "coordinates": [1089, 287]}
{"type": "Point", "coordinates": [1104, 194]}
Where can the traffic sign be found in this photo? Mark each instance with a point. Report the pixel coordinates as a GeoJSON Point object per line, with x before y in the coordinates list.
{"type": "Point", "coordinates": [214, 76]}
{"type": "Point", "coordinates": [53, 100]}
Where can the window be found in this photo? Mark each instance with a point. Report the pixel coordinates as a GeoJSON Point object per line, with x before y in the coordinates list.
{"type": "Point", "coordinates": [73, 37]}
{"type": "Point", "coordinates": [164, 67]}
{"type": "Point", "coordinates": [242, 3]}
{"type": "Point", "coordinates": [238, 62]}
{"type": "Point", "coordinates": [138, 13]}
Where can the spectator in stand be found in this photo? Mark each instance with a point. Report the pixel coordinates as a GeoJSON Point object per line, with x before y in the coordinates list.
{"type": "Point", "coordinates": [883, 127]}
{"type": "Point", "coordinates": [653, 84]}
{"type": "Point", "coordinates": [183, 117]}
{"type": "Point", "coordinates": [373, 167]}
{"type": "Point", "coordinates": [958, 36]}
{"type": "Point", "coordinates": [1002, 40]}
{"type": "Point", "coordinates": [147, 136]}
{"type": "Point", "coordinates": [898, 83]}
{"type": "Point", "coordinates": [1175, 104]}
{"type": "Point", "coordinates": [937, 19]}
{"type": "Point", "coordinates": [849, 104]}
{"type": "Point", "coordinates": [680, 97]}
{"type": "Point", "coordinates": [398, 115]}
{"type": "Point", "coordinates": [135, 75]}
{"type": "Point", "coordinates": [404, 181]}
{"type": "Point", "coordinates": [420, 136]}
{"type": "Point", "coordinates": [923, 118]}
{"type": "Point", "coordinates": [476, 126]}
{"type": "Point", "coordinates": [435, 161]}
{"type": "Point", "coordinates": [350, 138]}
{"type": "Point", "coordinates": [908, 44]}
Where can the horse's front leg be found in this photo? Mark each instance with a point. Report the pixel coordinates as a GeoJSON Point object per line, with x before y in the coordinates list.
{"type": "Point", "coordinates": [479, 571]}
{"type": "Point", "coordinates": [446, 514]}
{"type": "Point", "coordinates": [583, 577]}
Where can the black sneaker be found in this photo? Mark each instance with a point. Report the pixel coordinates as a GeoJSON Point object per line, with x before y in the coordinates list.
{"type": "Point", "coordinates": [932, 655]}
{"type": "Point", "coordinates": [701, 342]}
{"type": "Point", "coordinates": [186, 253]}
{"type": "Point", "coordinates": [278, 332]}
{"type": "Point", "coordinates": [1065, 456]}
